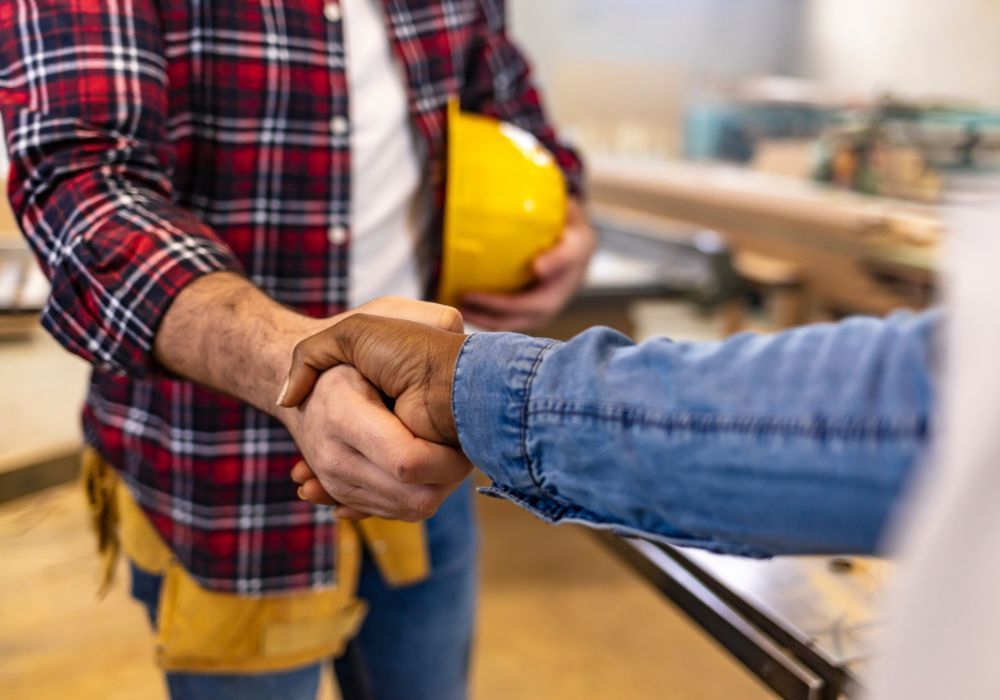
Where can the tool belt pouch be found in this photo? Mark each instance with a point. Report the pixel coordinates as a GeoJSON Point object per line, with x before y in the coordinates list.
{"type": "Point", "coordinates": [202, 630]}
{"type": "Point", "coordinates": [213, 632]}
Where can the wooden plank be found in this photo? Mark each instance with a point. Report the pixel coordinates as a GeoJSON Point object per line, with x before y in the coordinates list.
{"type": "Point", "coordinates": [845, 245]}
{"type": "Point", "coordinates": [732, 199]}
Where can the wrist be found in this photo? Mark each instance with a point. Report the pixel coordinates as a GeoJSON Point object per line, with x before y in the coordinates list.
{"type": "Point", "coordinates": [440, 391]}
{"type": "Point", "coordinates": [290, 331]}
{"type": "Point", "coordinates": [224, 333]}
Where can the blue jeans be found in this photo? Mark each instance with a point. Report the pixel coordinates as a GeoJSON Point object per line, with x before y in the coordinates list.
{"type": "Point", "coordinates": [415, 643]}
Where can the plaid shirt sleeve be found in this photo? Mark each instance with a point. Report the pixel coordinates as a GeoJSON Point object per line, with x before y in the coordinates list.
{"type": "Point", "coordinates": [83, 95]}
{"type": "Point", "coordinates": [500, 85]}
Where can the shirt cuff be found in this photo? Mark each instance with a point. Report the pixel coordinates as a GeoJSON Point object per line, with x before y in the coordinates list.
{"type": "Point", "coordinates": [124, 344]}
{"type": "Point", "coordinates": [490, 394]}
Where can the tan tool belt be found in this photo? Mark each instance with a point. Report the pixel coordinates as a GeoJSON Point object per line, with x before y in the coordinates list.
{"type": "Point", "coordinates": [207, 631]}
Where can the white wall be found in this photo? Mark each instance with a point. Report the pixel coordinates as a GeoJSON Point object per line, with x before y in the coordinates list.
{"type": "Point", "coordinates": [938, 48]}
{"type": "Point", "coordinates": [618, 73]}
{"type": "Point", "coordinates": [735, 37]}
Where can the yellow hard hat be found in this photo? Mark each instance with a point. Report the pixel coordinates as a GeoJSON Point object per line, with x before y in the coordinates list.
{"type": "Point", "coordinates": [505, 204]}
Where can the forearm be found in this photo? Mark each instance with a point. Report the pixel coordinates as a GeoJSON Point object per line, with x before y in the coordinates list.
{"type": "Point", "coordinates": [224, 333]}
{"type": "Point", "coordinates": [800, 442]}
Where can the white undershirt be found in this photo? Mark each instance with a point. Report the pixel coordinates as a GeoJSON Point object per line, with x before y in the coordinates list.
{"type": "Point", "coordinates": [389, 206]}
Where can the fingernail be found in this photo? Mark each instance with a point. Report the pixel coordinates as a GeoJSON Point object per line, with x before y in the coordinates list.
{"type": "Point", "coordinates": [284, 391]}
{"type": "Point", "coordinates": [302, 493]}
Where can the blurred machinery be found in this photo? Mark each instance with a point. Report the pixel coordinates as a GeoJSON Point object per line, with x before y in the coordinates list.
{"type": "Point", "coordinates": [889, 147]}
{"type": "Point", "coordinates": [907, 150]}
{"type": "Point", "coordinates": [734, 123]}
{"type": "Point", "coordinates": [641, 261]}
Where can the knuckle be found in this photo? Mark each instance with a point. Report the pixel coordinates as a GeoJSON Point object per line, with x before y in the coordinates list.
{"type": "Point", "coordinates": [360, 321]}
{"type": "Point", "coordinates": [403, 466]}
{"type": "Point", "coordinates": [340, 462]}
{"type": "Point", "coordinates": [339, 377]}
{"type": "Point", "coordinates": [343, 493]}
{"type": "Point", "coordinates": [422, 505]}
{"type": "Point", "coordinates": [344, 326]}
{"type": "Point", "coordinates": [453, 319]}
{"type": "Point", "coordinates": [333, 487]}
{"type": "Point", "coordinates": [403, 473]}
{"type": "Point", "coordinates": [334, 380]}
{"type": "Point", "coordinates": [352, 330]}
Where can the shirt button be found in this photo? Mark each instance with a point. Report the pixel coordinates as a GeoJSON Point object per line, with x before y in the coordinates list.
{"type": "Point", "coordinates": [338, 235]}
{"type": "Point", "coordinates": [332, 11]}
{"type": "Point", "coordinates": [339, 125]}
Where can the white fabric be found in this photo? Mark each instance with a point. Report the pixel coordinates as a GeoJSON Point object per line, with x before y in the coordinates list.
{"type": "Point", "coordinates": [4, 161]}
{"type": "Point", "coordinates": [945, 630]}
{"type": "Point", "coordinates": [387, 202]}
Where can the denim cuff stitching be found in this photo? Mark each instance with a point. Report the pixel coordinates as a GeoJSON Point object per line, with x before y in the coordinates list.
{"type": "Point", "coordinates": [525, 415]}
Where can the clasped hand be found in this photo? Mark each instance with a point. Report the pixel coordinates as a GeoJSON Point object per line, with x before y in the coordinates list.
{"type": "Point", "coordinates": [366, 459]}
{"type": "Point", "coordinates": [361, 457]}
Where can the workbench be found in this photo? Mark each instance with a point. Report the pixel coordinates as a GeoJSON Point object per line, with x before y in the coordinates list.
{"type": "Point", "coordinates": [856, 253]}
{"type": "Point", "coordinates": [806, 626]}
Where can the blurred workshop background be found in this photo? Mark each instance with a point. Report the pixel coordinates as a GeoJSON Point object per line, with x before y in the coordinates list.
{"type": "Point", "coordinates": [752, 165]}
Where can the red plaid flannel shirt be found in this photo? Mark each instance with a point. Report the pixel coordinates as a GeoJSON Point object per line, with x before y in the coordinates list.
{"type": "Point", "coordinates": [154, 141]}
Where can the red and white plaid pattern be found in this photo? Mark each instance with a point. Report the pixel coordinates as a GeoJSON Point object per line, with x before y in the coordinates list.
{"type": "Point", "coordinates": [153, 141]}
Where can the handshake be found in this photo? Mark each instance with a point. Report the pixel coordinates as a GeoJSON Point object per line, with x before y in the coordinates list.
{"type": "Point", "coordinates": [368, 401]}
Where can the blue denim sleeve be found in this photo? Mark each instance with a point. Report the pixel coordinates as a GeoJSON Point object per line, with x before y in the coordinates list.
{"type": "Point", "coordinates": [799, 442]}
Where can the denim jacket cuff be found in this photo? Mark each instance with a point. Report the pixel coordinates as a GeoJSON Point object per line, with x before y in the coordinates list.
{"type": "Point", "coordinates": [490, 394]}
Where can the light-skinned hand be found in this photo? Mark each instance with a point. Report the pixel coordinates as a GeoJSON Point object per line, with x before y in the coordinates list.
{"type": "Point", "coordinates": [412, 364]}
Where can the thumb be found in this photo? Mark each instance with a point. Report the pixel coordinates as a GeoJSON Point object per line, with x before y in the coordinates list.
{"type": "Point", "coordinates": [311, 357]}
{"type": "Point", "coordinates": [554, 261]}
{"type": "Point", "coordinates": [298, 385]}
{"type": "Point", "coordinates": [336, 344]}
